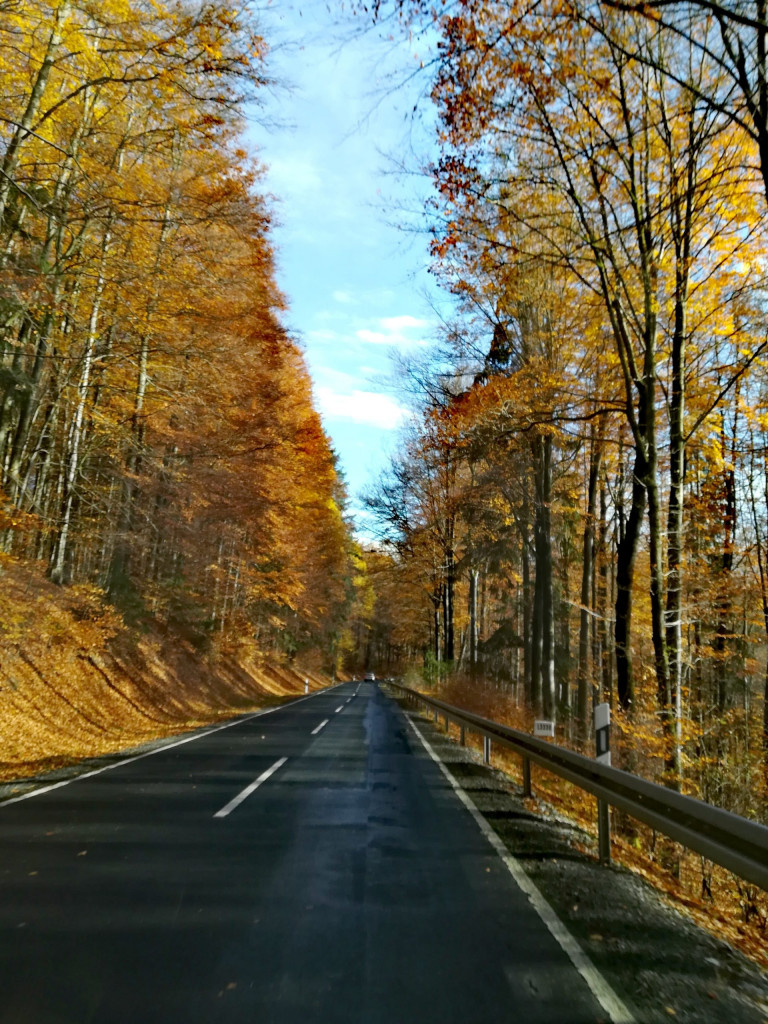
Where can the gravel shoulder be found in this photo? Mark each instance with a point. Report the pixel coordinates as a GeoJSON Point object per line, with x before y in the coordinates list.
{"type": "Point", "coordinates": [658, 961]}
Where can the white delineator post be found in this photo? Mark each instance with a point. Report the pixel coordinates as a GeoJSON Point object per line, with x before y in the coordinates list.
{"type": "Point", "coordinates": [544, 728]}
{"type": "Point", "coordinates": [306, 686]}
{"type": "Point", "coordinates": [603, 733]}
{"type": "Point", "coordinates": [603, 756]}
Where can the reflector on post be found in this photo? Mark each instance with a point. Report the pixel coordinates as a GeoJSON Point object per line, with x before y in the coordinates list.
{"type": "Point", "coordinates": [603, 755]}
{"type": "Point", "coordinates": [603, 733]}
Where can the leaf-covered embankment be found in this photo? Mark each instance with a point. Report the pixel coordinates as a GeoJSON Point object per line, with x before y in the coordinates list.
{"type": "Point", "coordinates": [76, 683]}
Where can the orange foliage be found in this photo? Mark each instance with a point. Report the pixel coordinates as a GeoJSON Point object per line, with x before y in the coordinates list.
{"type": "Point", "coordinates": [157, 428]}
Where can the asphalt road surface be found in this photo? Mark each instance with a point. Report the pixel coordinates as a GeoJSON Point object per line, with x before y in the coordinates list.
{"type": "Point", "coordinates": [310, 865]}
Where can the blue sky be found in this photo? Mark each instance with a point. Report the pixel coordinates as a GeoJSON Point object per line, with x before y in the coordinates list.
{"type": "Point", "coordinates": [357, 285]}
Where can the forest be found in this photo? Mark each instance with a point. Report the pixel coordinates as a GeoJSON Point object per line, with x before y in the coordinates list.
{"type": "Point", "coordinates": [579, 510]}
{"type": "Point", "coordinates": [158, 439]}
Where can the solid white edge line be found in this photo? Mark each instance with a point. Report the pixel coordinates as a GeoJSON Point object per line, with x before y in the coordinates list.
{"type": "Point", "coordinates": [243, 794]}
{"type": "Point", "coordinates": [321, 726]}
{"type": "Point", "coordinates": [599, 987]}
{"type": "Point", "coordinates": [158, 750]}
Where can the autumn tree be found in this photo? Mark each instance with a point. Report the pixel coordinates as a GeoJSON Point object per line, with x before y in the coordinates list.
{"type": "Point", "coordinates": [576, 139]}
{"type": "Point", "coordinates": [157, 432]}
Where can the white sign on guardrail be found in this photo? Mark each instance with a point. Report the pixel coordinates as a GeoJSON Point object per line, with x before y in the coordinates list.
{"type": "Point", "coordinates": [542, 727]}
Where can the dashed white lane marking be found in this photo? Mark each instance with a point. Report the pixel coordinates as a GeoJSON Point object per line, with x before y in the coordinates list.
{"type": "Point", "coordinates": [599, 987]}
{"type": "Point", "coordinates": [338, 709]}
{"type": "Point", "coordinates": [321, 726]}
{"type": "Point", "coordinates": [244, 794]}
{"type": "Point", "coordinates": [158, 750]}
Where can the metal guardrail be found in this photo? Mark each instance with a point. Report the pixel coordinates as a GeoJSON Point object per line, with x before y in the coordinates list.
{"type": "Point", "coordinates": [735, 843]}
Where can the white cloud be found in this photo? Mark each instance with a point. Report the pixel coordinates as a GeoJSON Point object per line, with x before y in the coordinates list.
{"type": "Point", "coordinates": [343, 297]}
{"type": "Point", "coordinates": [377, 338]}
{"type": "Point", "coordinates": [322, 334]}
{"type": "Point", "coordinates": [335, 380]}
{"type": "Point", "coordinates": [401, 323]}
{"type": "Point", "coordinates": [393, 330]}
{"type": "Point", "coordinates": [338, 315]}
{"type": "Point", "coordinates": [361, 407]}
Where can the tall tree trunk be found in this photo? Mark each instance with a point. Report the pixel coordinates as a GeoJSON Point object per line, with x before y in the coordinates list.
{"type": "Point", "coordinates": [58, 567]}
{"type": "Point", "coordinates": [587, 575]}
{"type": "Point", "coordinates": [449, 586]}
{"type": "Point", "coordinates": [119, 571]}
{"type": "Point", "coordinates": [625, 565]}
{"type": "Point", "coordinates": [448, 628]}
{"type": "Point", "coordinates": [674, 610]}
{"type": "Point", "coordinates": [528, 594]}
{"type": "Point", "coordinates": [437, 601]}
{"type": "Point", "coordinates": [473, 631]}
{"type": "Point", "coordinates": [51, 254]}
{"type": "Point", "coordinates": [656, 549]}
{"type": "Point", "coordinates": [724, 610]}
{"type": "Point", "coordinates": [544, 581]}
{"type": "Point", "coordinates": [680, 219]}
{"type": "Point", "coordinates": [763, 576]}
{"type": "Point", "coordinates": [537, 616]}
{"type": "Point", "coordinates": [21, 131]}
{"type": "Point", "coordinates": [604, 579]}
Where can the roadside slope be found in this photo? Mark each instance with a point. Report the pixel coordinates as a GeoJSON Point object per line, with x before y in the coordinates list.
{"type": "Point", "coordinates": [75, 682]}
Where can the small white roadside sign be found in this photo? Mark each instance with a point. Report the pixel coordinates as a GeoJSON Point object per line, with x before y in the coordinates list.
{"type": "Point", "coordinates": [603, 733]}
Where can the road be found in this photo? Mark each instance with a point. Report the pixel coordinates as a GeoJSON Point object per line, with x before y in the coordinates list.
{"type": "Point", "coordinates": [310, 865]}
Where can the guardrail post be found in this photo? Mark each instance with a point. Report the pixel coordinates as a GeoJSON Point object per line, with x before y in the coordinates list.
{"type": "Point", "coordinates": [603, 832]}
{"type": "Point", "coordinates": [435, 716]}
{"type": "Point", "coordinates": [526, 777]}
{"type": "Point", "coordinates": [486, 749]}
{"type": "Point", "coordinates": [463, 736]}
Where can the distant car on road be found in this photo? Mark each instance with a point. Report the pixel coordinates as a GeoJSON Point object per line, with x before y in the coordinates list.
{"type": "Point", "coordinates": [370, 677]}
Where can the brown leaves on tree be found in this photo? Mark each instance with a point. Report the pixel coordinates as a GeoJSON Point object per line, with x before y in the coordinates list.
{"type": "Point", "coordinates": [156, 423]}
